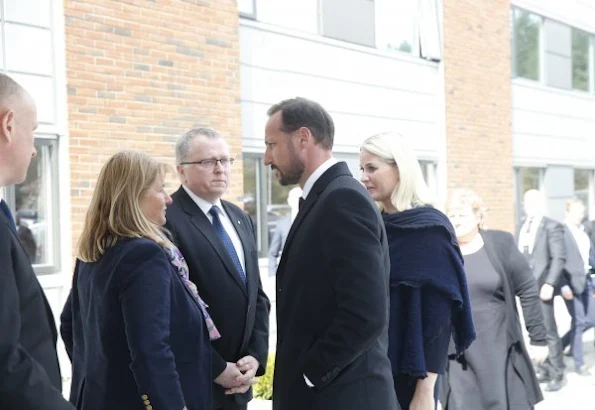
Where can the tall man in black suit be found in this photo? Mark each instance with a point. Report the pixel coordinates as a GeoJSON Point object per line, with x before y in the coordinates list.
{"type": "Point", "coordinates": [218, 242]}
{"type": "Point", "coordinates": [332, 280]}
{"type": "Point", "coordinates": [541, 239]}
{"type": "Point", "coordinates": [29, 371]}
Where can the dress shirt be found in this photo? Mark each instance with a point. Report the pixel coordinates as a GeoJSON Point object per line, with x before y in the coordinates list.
{"type": "Point", "coordinates": [205, 206]}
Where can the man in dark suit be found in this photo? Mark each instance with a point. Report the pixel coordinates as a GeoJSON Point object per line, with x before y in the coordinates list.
{"type": "Point", "coordinates": [217, 240]}
{"type": "Point", "coordinates": [29, 371]}
{"type": "Point", "coordinates": [541, 239]}
{"type": "Point", "coordinates": [332, 280]}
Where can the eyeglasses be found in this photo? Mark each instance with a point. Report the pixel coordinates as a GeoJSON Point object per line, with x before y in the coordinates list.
{"type": "Point", "coordinates": [211, 163]}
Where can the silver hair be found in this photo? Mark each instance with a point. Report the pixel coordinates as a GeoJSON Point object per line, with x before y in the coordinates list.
{"type": "Point", "coordinates": [183, 143]}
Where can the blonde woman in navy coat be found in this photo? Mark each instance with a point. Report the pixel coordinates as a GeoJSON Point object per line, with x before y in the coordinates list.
{"type": "Point", "coordinates": [134, 326]}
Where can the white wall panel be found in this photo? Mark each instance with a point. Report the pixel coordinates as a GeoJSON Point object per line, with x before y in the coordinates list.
{"type": "Point", "coordinates": [365, 90]}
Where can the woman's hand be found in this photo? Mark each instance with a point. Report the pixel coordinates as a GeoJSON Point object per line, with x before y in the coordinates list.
{"type": "Point", "coordinates": [423, 398]}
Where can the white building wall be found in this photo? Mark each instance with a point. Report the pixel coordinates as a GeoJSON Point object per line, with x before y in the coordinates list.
{"type": "Point", "coordinates": [365, 90]}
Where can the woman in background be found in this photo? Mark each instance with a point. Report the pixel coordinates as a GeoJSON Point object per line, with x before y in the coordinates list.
{"type": "Point", "coordinates": [134, 327]}
{"type": "Point", "coordinates": [497, 373]}
{"type": "Point", "coordinates": [429, 302]}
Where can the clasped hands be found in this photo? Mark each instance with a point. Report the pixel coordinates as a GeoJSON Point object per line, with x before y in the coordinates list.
{"type": "Point", "coordinates": [238, 377]}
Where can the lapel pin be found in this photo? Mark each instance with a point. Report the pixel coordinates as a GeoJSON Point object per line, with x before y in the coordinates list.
{"type": "Point", "coordinates": [239, 223]}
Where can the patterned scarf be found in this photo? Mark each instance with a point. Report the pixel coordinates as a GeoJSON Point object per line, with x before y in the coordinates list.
{"type": "Point", "coordinates": [179, 263]}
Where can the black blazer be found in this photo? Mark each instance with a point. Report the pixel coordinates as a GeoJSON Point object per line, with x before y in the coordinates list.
{"type": "Point", "coordinates": [240, 312]}
{"type": "Point", "coordinates": [549, 253]}
{"type": "Point", "coordinates": [517, 280]}
{"type": "Point", "coordinates": [29, 371]}
{"type": "Point", "coordinates": [332, 303]}
{"type": "Point", "coordinates": [135, 334]}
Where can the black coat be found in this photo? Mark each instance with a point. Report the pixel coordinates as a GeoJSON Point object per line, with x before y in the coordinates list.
{"type": "Point", "coordinates": [517, 280]}
{"type": "Point", "coordinates": [240, 312]}
{"type": "Point", "coordinates": [332, 303]}
{"type": "Point", "coordinates": [29, 371]}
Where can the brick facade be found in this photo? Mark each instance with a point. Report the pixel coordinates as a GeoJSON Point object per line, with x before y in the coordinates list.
{"type": "Point", "coordinates": [139, 74]}
{"type": "Point", "coordinates": [477, 52]}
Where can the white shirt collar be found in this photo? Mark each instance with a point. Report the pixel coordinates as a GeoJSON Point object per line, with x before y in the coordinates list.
{"type": "Point", "coordinates": [316, 175]}
{"type": "Point", "coordinates": [203, 204]}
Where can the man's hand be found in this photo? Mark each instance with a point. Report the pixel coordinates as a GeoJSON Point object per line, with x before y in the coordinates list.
{"type": "Point", "coordinates": [228, 377]}
{"type": "Point", "coordinates": [248, 365]}
{"type": "Point", "coordinates": [567, 292]}
{"type": "Point", "coordinates": [241, 389]}
{"type": "Point", "coordinates": [538, 354]}
{"type": "Point", "coordinates": [547, 292]}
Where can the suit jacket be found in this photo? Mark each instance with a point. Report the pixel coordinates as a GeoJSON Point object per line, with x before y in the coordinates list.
{"type": "Point", "coordinates": [549, 254]}
{"type": "Point", "coordinates": [29, 371]}
{"type": "Point", "coordinates": [277, 243]}
{"type": "Point", "coordinates": [332, 303]}
{"type": "Point", "coordinates": [240, 312]}
{"type": "Point", "coordinates": [135, 334]}
{"type": "Point", "coordinates": [574, 266]}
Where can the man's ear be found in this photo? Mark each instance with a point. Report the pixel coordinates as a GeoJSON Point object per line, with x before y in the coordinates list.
{"type": "Point", "coordinates": [304, 135]}
{"type": "Point", "coordinates": [7, 125]}
{"type": "Point", "coordinates": [180, 169]}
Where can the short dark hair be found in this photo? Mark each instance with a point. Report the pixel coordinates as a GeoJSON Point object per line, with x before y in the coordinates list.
{"type": "Point", "coordinates": [300, 112]}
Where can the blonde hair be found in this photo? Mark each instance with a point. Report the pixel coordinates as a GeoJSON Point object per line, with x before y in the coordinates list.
{"type": "Point", "coordinates": [412, 190]}
{"type": "Point", "coordinates": [468, 197]}
{"type": "Point", "coordinates": [115, 211]}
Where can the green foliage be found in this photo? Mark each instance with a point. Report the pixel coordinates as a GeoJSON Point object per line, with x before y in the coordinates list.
{"type": "Point", "coordinates": [264, 388]}
{"type": "Point", "coordinates": [526, 41]}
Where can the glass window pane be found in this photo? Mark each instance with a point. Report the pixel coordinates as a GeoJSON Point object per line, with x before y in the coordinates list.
{"type": "Point", "coordinates": [580, 60]}
{"type": "Point", "coordinates": [581, 185]}
{"type": "Point", "coordinates": [526, 39]}
{"type": "Point", "coordinates": [396, 25]}
{"type": "Point", "coordinates": [277, 208]}
{"type": "Point", "coordinates": [34, 201]}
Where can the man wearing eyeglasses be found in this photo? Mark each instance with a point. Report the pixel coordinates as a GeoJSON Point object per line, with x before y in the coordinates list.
{"type": "Point", "coordinates": [218, 242]}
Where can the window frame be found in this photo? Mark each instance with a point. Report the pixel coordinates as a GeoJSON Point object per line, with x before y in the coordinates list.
{"type": "Point", "coordinates": [54, 265]}
{"type": "Point", "coordinates": [244, 14]}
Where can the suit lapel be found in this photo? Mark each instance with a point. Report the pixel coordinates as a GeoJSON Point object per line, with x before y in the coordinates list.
{"type": "Point", "coordinates": [204, 226]}
{"type": "Point", "coordinates": [539, 234]}
{"type": "Point", "coordinates": [339, 169]}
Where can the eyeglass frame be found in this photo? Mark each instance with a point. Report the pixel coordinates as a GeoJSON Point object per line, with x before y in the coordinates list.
{"type": "Point", "coordinates": [203, 163]}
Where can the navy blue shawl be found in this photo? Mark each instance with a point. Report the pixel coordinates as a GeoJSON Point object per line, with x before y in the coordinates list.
{"type": "Point", "coordinates": [424, 252]}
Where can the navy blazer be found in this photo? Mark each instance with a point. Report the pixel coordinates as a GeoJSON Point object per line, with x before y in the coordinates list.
{"type": "Point", "coordinates": [135, 335]}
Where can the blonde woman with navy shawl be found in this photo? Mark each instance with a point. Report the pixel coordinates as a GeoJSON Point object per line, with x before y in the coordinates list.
{"type": "Point", "coordinates": [429, 302]}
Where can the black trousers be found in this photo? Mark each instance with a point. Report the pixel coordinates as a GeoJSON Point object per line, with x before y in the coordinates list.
{"type": "Point", "coordinates": [554, 364]}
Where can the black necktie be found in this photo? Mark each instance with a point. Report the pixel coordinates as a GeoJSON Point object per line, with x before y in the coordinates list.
{"type": "Point", "coordinates": [6, 211]}
{"type": "Point", "coordinates": [302, 200]}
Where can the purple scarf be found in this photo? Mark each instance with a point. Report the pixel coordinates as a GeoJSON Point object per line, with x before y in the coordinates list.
{"type": "Point", "coordinates": [179, 263]}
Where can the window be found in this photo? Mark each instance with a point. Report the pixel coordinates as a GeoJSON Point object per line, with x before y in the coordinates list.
{"type": "Point", "coordinates": [397, 25]}
{"type": "Point", "coordinates": [348, 20]}
{"type": "Point", "coordinates": [526, 38]}
{"type": "Point", "coordinates": [35, 205]}
{"type": "Point", "coordinates": [247, 8]}
{"type": "Point", "coordinates": [524, 180]}
{"type": "Point", "coordinates": [265, 200]}
{"type": "Point", "coordinates": [584, 188]}
{"type": "Point", "coordinates": [580, 60]}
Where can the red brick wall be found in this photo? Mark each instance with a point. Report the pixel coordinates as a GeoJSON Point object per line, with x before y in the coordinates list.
{"type": "Point", "coordinates": [477, 58]}
{"type": "Point", "coordinates": [140, 73]}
